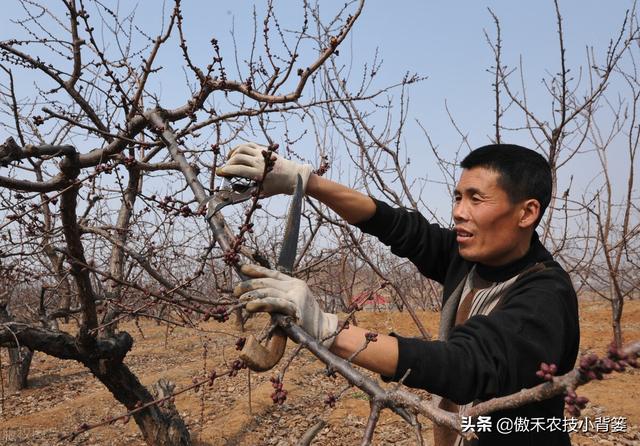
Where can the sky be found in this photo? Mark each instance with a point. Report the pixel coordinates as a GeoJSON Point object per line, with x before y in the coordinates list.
{"type": "Point", "coordinates": [441, 40]}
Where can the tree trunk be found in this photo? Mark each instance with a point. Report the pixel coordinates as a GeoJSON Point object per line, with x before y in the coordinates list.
{"type": "Point", "coordinates": [19, 357]}
{"type": "Point", "coordinates": [103, 357]}
{"type": "Point", "coordinates": [159, 427]}
{"type": "Point", "coordinates": [19, 365]}
{"type": "Point", "coordinates": [617, 302]}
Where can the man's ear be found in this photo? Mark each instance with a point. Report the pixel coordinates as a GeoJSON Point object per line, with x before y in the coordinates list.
{"type": "Point", "coordinates": [529, 213]}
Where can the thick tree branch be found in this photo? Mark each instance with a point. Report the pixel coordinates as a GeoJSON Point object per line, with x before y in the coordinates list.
{"type": "Point", "coordinates": [62, 345]}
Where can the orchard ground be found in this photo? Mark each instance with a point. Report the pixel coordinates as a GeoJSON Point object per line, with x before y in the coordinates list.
{"type": "Point", "coordinates": [63, 394]}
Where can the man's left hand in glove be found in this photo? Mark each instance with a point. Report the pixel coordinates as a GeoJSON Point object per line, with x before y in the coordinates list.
{"type": "Point", "coordinates": [274, 292]}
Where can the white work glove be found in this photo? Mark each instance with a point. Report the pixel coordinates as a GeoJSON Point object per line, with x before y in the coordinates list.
{"type": "Point", "coordinates": [247, 161]}
{"type": "Point", "coordinates": [274, 292]}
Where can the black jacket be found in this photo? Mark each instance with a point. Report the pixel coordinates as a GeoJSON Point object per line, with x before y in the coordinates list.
{"type": "Point", "coordinates": [494, 355]}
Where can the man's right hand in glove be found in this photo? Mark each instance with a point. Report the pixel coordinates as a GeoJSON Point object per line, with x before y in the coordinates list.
{"type": "Point", "coordinates": [247, 161]}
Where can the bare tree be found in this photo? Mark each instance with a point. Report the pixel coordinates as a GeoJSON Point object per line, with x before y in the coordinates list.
{"type": "Point", "coordinates": [610, 271]}
{"type": "Point", "coordinates": [105, 184]}
{"type": "Point", "coordinates": [87, 215]}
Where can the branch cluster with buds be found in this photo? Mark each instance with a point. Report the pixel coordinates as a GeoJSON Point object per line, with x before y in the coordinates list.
{"type": "Point", "coordinates": [175, 207]}
{"type": "Point", "coordinates": [279, 395]}
{"type": "Point", "coordinates": [231, 257]}
{"type": "Point", "coordinates": [592, 367]}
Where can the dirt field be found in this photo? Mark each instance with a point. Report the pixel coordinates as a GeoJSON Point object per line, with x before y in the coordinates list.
{"type": "Point", "coordinates": [63, 394]}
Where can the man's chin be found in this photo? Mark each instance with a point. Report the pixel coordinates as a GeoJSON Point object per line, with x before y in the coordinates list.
{"type": "Point", "coordinates": [469, 255]}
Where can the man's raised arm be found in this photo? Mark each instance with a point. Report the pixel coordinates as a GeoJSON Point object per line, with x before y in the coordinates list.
{"type": "Point", "coordinates": [351, 205]}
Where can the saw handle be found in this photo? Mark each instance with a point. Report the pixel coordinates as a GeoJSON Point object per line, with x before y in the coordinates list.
{"type": "Point", "coordinates": [261, 358]}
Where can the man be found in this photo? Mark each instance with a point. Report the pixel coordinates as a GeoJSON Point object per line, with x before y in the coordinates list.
{"type": "Point", "coordinates": [507, 305]}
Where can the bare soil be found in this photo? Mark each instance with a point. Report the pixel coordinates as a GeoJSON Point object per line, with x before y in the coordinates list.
{"type": "Point", "coordinates": [63, 394]}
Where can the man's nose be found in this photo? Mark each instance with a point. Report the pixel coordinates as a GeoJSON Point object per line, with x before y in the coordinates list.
{"type": "Point", "coordinates": [459, 211]}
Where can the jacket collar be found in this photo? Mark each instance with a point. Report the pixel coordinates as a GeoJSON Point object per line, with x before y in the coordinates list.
{"type": "Point", "coordinates": [537, 253]}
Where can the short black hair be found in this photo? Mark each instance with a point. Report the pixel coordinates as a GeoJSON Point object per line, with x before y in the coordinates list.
{"type": "Point", "coordinates": [523, 173]}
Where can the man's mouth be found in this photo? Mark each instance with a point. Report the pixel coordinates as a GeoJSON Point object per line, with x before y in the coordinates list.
{"type": "Point", "coordinates": [463, 235]}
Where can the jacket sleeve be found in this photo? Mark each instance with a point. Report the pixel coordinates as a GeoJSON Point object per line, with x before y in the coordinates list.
{"type": "Point", "coordinates": [428, 246]}
{"type": "Point", "coordinates": [498, 354]}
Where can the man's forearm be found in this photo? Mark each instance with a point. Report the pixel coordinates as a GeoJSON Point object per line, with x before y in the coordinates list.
{"type": "Point", "coordinates": [379, 357]}
{"type": "Point", "coordinates": [349, 204]}
{"type": "Point", "coordinates": [354, 207]}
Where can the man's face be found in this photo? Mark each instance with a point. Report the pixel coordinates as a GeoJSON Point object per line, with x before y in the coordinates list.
{"type": "Point", "coordinates": [486, 222]}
